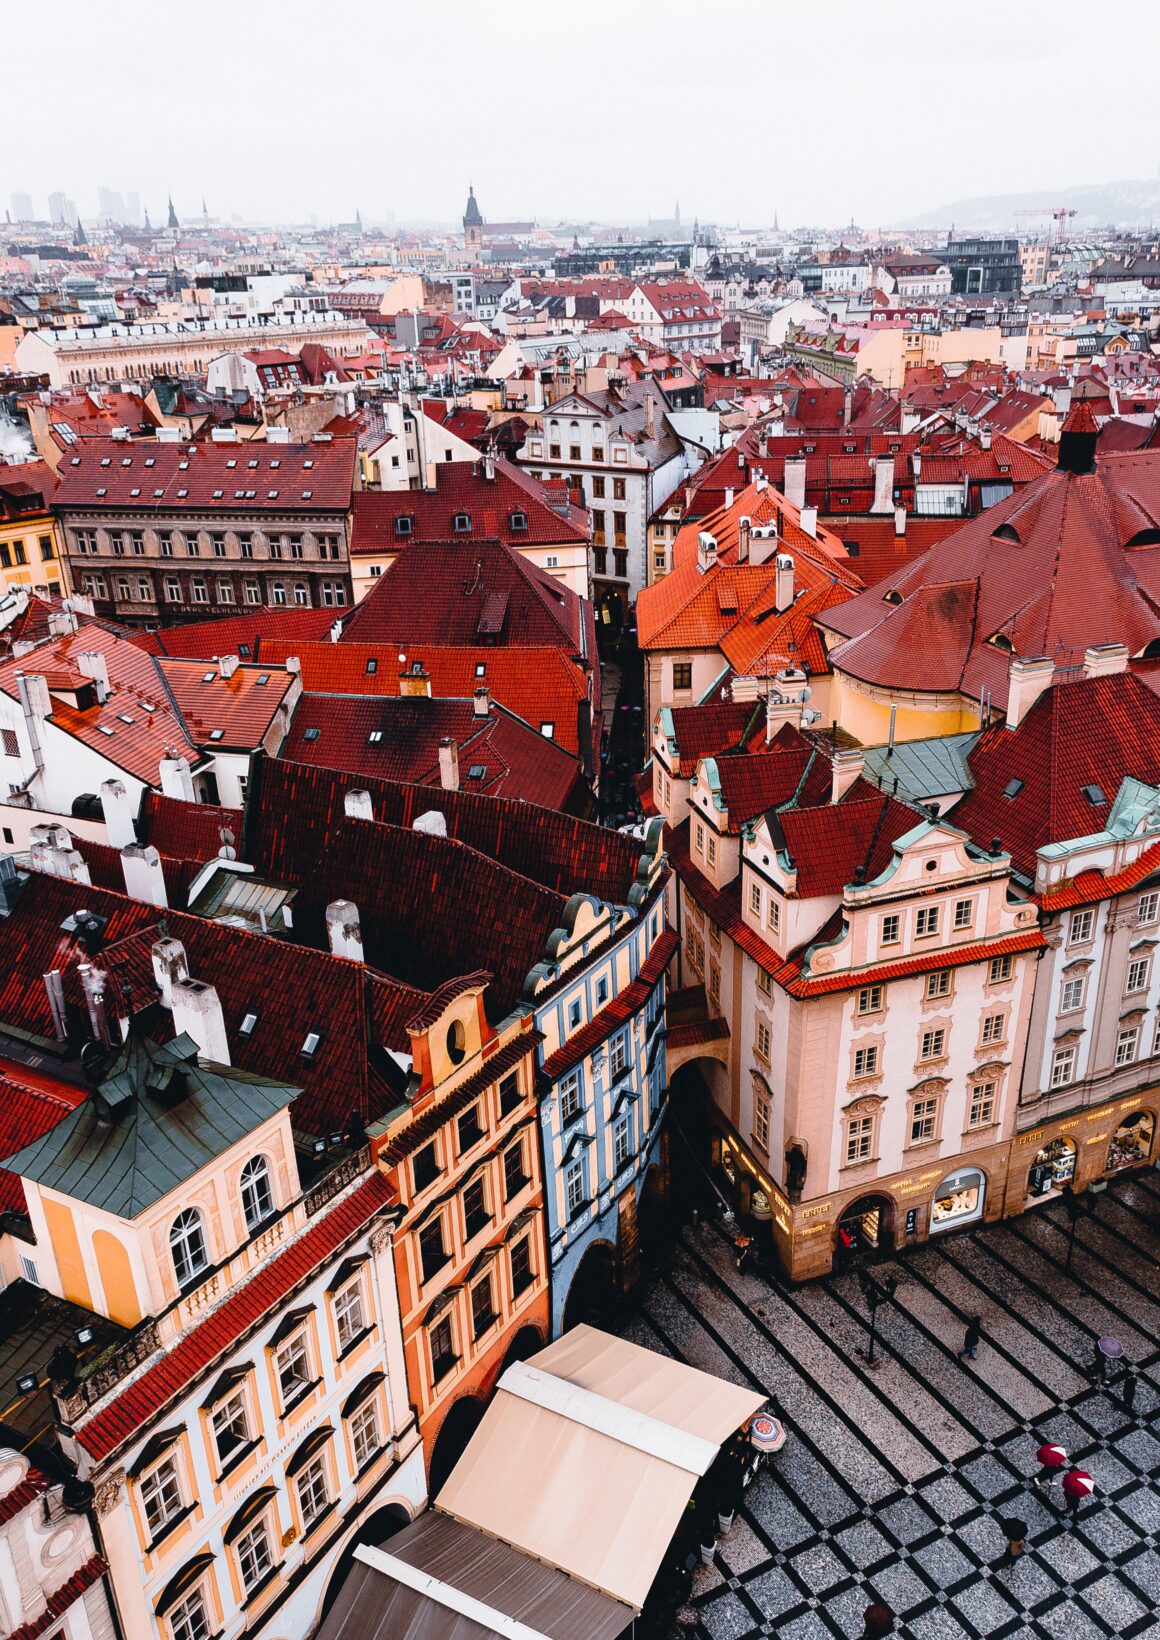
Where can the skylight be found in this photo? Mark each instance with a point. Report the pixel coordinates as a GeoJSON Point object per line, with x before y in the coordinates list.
{"type": "Point", "coordinates": [310, 1046]}
{"type": "Point", "coordinates": [1094, 795]}
{"type": "Point", "coordinates": [125, 718]}
{"type": "Point", "coordinates": [208, 677]}
{"type": "Point", "coordinates": [477, 771]}
{"type": "Point", "coordinates": [312, 734]}
{"type": "Point", "coordinates": [263, 677]}
{"type": "Point", "coordinates": [249, 1021]}
{"type": "Point", "coordinates": [1013, 788]}
{"type": "Point", "coordinates": [217, 734]}
{"type": "Point", "coordinates": [374, 737]}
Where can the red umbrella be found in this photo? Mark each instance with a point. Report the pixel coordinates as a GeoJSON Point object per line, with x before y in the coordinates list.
{"type": "Point", "coordinates": [1077, 1485]}
{"type": "Point", "coordinates": [1051, 1455]}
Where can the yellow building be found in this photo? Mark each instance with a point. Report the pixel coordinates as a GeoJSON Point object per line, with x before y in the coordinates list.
{"type": "Point", "coordinates": [30, 555]}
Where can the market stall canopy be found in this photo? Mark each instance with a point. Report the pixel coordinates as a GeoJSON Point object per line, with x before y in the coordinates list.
{"type": "Point", "coordinates": [588, 1455]}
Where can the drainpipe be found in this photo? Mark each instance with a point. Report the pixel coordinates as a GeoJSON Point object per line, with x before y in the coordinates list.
{"type": "Point", "coordinates": [32, 721]}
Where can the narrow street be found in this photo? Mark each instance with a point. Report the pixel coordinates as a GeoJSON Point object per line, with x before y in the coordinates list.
{"type": "Point", "coordinates": [623, 752]}
{"type": "Point", "coordinates": [895, 1476]}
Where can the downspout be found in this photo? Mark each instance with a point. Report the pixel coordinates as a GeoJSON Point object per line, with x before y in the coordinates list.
{"type": "Point", "coordinates": [32, 723]}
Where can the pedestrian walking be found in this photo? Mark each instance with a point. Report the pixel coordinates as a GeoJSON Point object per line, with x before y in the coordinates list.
{"type": "Point", "coordinates": [742, 1246]}
{"type": "Point", "coordinates": [1015, 1531]}
{"type": "Point", "coordinates": [1077, 1485]}
{"type": "Point", "coordinates": [971, 1338]}
{"type": "Point", "coordinates": [1129, 1391]}
{"type": "Point", "coordinates": [1052, 1458]}
{"type": "Point", "coordinates": [877, 1621]}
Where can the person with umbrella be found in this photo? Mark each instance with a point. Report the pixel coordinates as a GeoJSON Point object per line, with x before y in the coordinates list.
{"type": "Point", "coordinates": [1015, 1531]}
{"type": "Point", "coordinates": [877, 1621]}
{"type": "Point", "coordinates": [1052, 1458]}
{"type": "Point", "coordinates": [1077, 1485]}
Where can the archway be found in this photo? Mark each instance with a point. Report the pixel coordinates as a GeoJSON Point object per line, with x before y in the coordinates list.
{"type": "Point", "coordinates": [526, 1343]}
{"type": "Point", "coordinates": [374, 1532]}
{"type": "Point", "coordinates": [1131, 1143]}
{"type": "Point", "coordinates": [593, 1295]}
{"type": "Point", "coordinates": [865, 1226]}
{"type": "Point", "coordinates": [959, 1199]}
{"type": "Point", "coordinates": [1052, 1167]}
{"type": "Point", "coordinates": [456, 1430]}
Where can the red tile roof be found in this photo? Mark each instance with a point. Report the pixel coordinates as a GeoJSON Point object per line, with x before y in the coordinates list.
{"type": "Point", "coordinates": [187, 831]}
{"type": "Point", "coordinates": [257, 477]}
{"type": "Point", "coordinates": [241, 635]}
{"type": "Point", "coordinates": [29, 1489]}
{"type": "Point", "coordinates": [30, 1106]}
{"type": "Point", "coordinates": [461, 487]}
{"type": "Point", "coordinates": [1091, 886]}
{"type": "Point", "coordinates": [62, 1598]}
{"type": "Point", "coordinates": [230, 713]}
{"type": "Point", "coordinates": [121, 1419]}
{"type": "Point", "coordinates": [621, 1008]}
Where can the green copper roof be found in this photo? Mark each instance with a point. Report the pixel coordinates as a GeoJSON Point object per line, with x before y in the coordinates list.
{"type": "Point", "coordinates": [156, 1120]}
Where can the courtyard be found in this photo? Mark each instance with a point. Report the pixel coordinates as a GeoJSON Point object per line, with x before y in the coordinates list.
{"type": "Point", "coordinates": [896, 1475]}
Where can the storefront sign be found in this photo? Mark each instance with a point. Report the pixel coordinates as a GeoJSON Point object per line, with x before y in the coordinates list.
{"type": "Point", "coordinates": [814, 1212]}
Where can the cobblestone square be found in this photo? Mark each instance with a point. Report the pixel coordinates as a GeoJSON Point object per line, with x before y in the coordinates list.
{"type": "Point", "coordinates": [895, 1476]}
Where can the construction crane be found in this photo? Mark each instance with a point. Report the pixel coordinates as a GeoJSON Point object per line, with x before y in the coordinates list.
{"type": "Point", "coordinates": [1061, 216]}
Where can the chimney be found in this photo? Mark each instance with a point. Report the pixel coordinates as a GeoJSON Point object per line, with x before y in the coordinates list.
{"type": "Point", "coordinates": [649, 417]}
{"type": "Point", "coordinates": [783, 586]}
{"type": "Point", "coordinates": [795, 480]}
{"type": "Point", "coordinates": [899, 522]}
{"type": "Point", "coordinates": [481, 703]}
{"type": "Point", "coordinates": [1026, 681]}
{"type": "Point", "coordinates": [120, 820]}
{"type": "Point", "coordinates": [293, 664]}
{"type": "Point", "coordinates": [846, 765]}
{"type": "Point", "coordinates": [61, 622]}
{"type": "Point", "coordinates": [34, 697]}
{"type": "Point", "coordinates": [785, 701]}
{"type": "Point", "coordinates": [94, 665]}
{"type": "Point", "coordinates": [169, 967]}
{"type": "Point", "coordinates": [144, 875]}
{"type": "Point", "coordinates": [51, 851]}
{"type": "Point", "coordinates": [847, 406]}
{"type": "Point", "coordinates": [985, 438]}
{"type": "Point", "coordinates": [808, 519]}
{"type": "Point", "coordinates": [706, 551]}
{"type": "Point", "coordinates": [433, 822]}
{"type": "Point", "coordinates": [1105, 660]}
{"type": "Point", "coordinates": [357, 804]}
{"type": "Point", "coordinates": [883, 484]}
{"type": "Point", "coordinates": [489, 464]}
{"type": "Point", "coordinates": [416, 681]}
{"type": "Point", "coordinates": [448, 764]}
{"type": "Point", "coordinates": [728, 497]}
{"type": "Point", "coordinates": [916, 465]}
{"type": "Point", "coordinates": [744, 526]}
{"type": "Point", "coordinates": [93, 983]}
{"type": "Point", "coordinates": [343, 930]}
{"type": "Point", "coordinates": [334, 632]}
{"type": "Point", "coordinates": [227, 665]}
{"type": "Point", "coordinates": [197, 1011]}
{"type": "Point", "coordinates": [176, 780]}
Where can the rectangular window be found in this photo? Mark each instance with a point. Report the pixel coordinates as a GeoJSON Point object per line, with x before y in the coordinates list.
{"type": "Point", "coordinates": [1148, 909]}
{"type": "Point", "coordinates": [774, 915]}
{"type": "Point", "coordinates": [254, 1558]}
{"type": "Point", "coordinates": [621, 1144]}
{"type": "Point", "coordinates": [569, 1097]}
{"type": "Point", "coordinates": [761, 1121]}
{"type": "Point", "coordinates": [442, 1349]}
{"type": "Point", "coordinates": [1137, 975]}
{"type": "Point", "coordinates": [994, 1028]}
{"type": "Point", "coordinates": [510, 1096]}
{"type": "Point", "coordinates": [1062, 1067]}
{"type": "Point", "coordinates": [1071, 995]}
{"type": "Point", "coordinates": [1001, 969]}
{"type": "Point", "coordinates": [313, 1491]}
{"type": "Point", "coordinates": [189, 1619]}
{"type": "Point", "coordinates": [10, 743]}
{"type": "Point", "coordinates": [475, 1213]}
{"type": "Point", "coordinates": [573, 1189]}
{"type": "Point", "coordinates": [47, 554]}
{"type": "Point", "coordinates": [514, 1176]}
{"type": "Point", "coordinates": [923, 1120]}
{"type": "Point", "coordinates": [161, 1497]}
{"type": "Point", "coordinates": [618, 1054]}
{"type": "Point", "coordinates": [711, 850]}
{"type": "Point", "coordinates": [231, 1425]}
{"type": "Point", "coordinates": [755, 898]}
{"type": "Point", "coordinates": [1127, 1045]}
{"type": "Point", "coordinates": [618, 489]}
{"type": "Point", "coordinates": [938, 985]}
{"type": "Point", "coordinates": [349, 1315]}
{"type": "Point", "coordinates": [926, 921]}
{"type": "Point", "coordinates": [933, 1043]}
{"type": "Point", "coordinates": [865, 1061]}
{"type": "Point", "coordinates": [432, 1253]}
{"type": "Point", "coordinates": [365, 1436]}
{"type": "Point", "coordinates": [981, 1110]}
{"type": "Point", "coordinates": [1079, 929]}
{"type": "Point", "coordinates": [598, 488]}
{"type": "Point", "coordinates": [964, 913]}
{"type": "Point", "coordinates": [521, 1262]}
{"type": "Point", "coordinates": [764, 983]}
{"type": "Point", "coordinates": [762, 1041]}
{"type": "Point", "coordinates": [870, 999]}
{"type": "Point", "coordinates": [682, 675]}
{"type": "Point", "coordinates": [859, 1139]}
{"type": "Point", "coordinates": [891, 929]}
{"type": "Point", "coordinates": [699, 837]}
{"type": "Point", "coordinates": [425, 1166]}
{"type": "Point", "coordinates": [619, 533]}
{"type": "Point", "coordinates": [482, 1307]}
{"type": "Point", "coordinates": [292, 1364]}
{"type": "Point", "coordinates": [469, 1130]}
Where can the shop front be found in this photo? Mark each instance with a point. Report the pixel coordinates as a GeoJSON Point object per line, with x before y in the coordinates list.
{"type": "Point", "coordinates": [1052, 1167]}
{"type": "Point", "coordinates": [1131, 1143]}
{"type": "Point", "coordinates": [1081, 1150]}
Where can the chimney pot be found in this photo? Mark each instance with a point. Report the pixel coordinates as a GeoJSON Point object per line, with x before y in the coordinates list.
{"type": "Point", "coordinates": [481, 705]}
{"type": "Point", "coordinates": [197, 1011]}
{"type": "Point", "coordinates": [847, 763]}
{"type": "Point", "coordinates": [357, 805]}
{"type": "Point", "coordinates": [344, 929]}
{"type": "Point", "coordinates": [448, 764]}
{"type": "Point", "coordinates": [1105, 660]}
{"type": "Point", "coordinates": [227, 665]}
{"type": "Point", "coordinates": [1026, 681]}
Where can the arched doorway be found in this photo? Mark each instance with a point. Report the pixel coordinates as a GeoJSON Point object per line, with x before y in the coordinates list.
{"type": "Point", "coordinates": [1131, 1143]}
{"type": "Point", "coordinates": [526, 1343]}
{"type": "Point", "coordinates": [458, 1427]}
{"type": "Point", "coordinates": [866, 1226]}
{"type": "Point", "coordinates": [1052, 1167]}
{"type": "Point", "coordinates": [374, 1532]}
{"type": "Point", "coordinates": [593, 1295]}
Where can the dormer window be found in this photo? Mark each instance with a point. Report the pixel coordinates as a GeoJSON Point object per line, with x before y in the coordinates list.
{"type": "Point", "coordinates": [461, 523]}
{"type": "Point", "coordinates": [404, 524]}
{"type": "Point", "coordinates": [518, 521]}
{"type": "Point", "coordinates": [187, 1246]}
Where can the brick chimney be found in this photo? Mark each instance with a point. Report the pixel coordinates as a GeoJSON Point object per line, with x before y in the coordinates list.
{"type": "Point", "coordinates": [883, 484]}
{"type": "Point", "coordinates": [706, 551]}
{"type": "Point", "coordinates": [94, 665]}
{"type": "Point", "coordinates": [744, 526]}
{"type": "Point", "coordinates": [415, 681]}
{"type": "Point", "coordinates": [481, 703]}
{"type": "Point", "coordinates": [176, 780]}
{"type": "Point", "coordinates": [1026, 681]}
{"type": "Point", "coordinates": [808, 519]}
{"type": "Point", "coordinates": [343, 929]}
{"type": "Point", "coordinates": [899, 522]}
{"type": "Point", "coordinates": [51, 851]}
{"type": "Point", "coordinates": [197, 1010]}
{"type": "Point", "coordinates": [783, 584]}
{"type": "Point", "coordinates": [227, 665]}
{"type": "Point", "coordinates": [448, 764]}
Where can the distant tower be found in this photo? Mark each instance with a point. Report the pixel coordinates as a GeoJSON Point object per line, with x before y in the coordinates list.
{"type": "Point", "coordinates": [148, 224]}
{"type": "Point", "coordinates": [204, 214]}
{"type": "Point", "coordinates": [677, 213]}
{"type": "Point", "coordinates": [79, 238]}
{"type": "Point", "coordinates": [472, 226]}
{"type": "Point", "coordinates": [358, 219]}
{"type": "Point", "coordinates": [172, 223]}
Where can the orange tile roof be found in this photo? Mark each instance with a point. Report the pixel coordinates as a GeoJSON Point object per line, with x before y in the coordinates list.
{"type": "Point", "coordinates": [231, 712]}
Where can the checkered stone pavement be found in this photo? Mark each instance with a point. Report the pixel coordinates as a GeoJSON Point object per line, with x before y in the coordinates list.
{"type": "Point", "coordinates": [895, 1477]}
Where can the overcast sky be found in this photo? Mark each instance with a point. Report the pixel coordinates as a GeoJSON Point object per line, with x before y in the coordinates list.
{"type": "Point", "coordinates": [606, 109]}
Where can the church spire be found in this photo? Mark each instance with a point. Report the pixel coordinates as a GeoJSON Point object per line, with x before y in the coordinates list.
{"type": "Point", "coordinates": [172, 223]}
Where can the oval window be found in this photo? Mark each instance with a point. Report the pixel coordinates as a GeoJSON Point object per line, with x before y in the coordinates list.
{"type": "Point", "coordinates": [456, 1041]}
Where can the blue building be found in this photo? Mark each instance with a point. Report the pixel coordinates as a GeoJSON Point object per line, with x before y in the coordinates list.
{"type": "Point", "coordinates": [599, 1004]}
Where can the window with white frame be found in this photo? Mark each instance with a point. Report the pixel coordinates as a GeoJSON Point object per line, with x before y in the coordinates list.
{"type": "Point", "coordinates": [774, 914]}
{"type": "Point", "coordinates": [964, 913]}
{"type": "Point", "coordinates": [257, 1191]}
{"type": "Point", "coordinates": [230, 1422]}
{"type": "Point", "coordinates": [870, 999]}
{"type": "Point", "coordinates": [755, 898]}
{"type": "Point", "coordinates": [764, 983]}
{"type": "Point", "coordinates": [570, 1096]}
{"type": "Point", "coordinates": [1001, 969]}
{"type": "Point", "coordinates": [994, 1028]}
{"type": "Point", "coordinates": [891, 929]}
{"type": "Point", "coordinates": [1127, 1044]}
{"type": "Point", "coordinates": [762, 1041]}
{"type": "Point", "coordinates": [350, 1318]}
{"type": "Point", "coordinates": [1071, 994]}
{"type": "Point", "coordinates": [938, 984]}
{"type": "Point", "coordinates": [574, 1188]}
{"type": "Point", "coordinates": [1138, 971]}
{"type": "Point", "coordinates": [189, 1619]}
{"type": "Point", "coordinates": [1063, 1066]}
{"type": "Point", "coordinates": [923, 1120]}
{"type": "Point", "coordinates": [866, 1061]}
{"type": "Point", "coordinates": [292, 1365]}
{"type": "Point", "coordinates": [1148, 910]}
{"type": "Point", "coordinates": [761, 1120]}
{"type": "Point", "coordinates": [313, 1488]}
{"type": "Point", "coordinates": [618, 1053]}
{"type": "Point", "coordinates": [621, 1143]}
{"type": "Point", "coordinates": [981, 1105]}
{"type": "Point", "coordinates": [255, 1559]}
{"type": "Point", "coordinates": [934, 1043]}
{"type": "Point", "coordinates": [365, 1434]}
{"type": "Point", "coordinates": [926, 921]}
{"type": "Point", "coordinates": [187, 1245]}
{"type": "Point", "coordinates": [1079, 928]}
{"type": "Point", "coordinates": [161, 1496]}
{"type": "Point", "coordinates": [859, 1139]}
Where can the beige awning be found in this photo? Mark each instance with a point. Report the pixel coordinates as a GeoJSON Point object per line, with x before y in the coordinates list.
{"type": "Point", "coordinates": [588, 1455]}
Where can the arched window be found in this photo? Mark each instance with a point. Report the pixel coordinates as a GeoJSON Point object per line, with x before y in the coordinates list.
{"type": "Point", "coordinates": [257, 1193]}
{"type": "Point", "coordinates": [187, 1244]}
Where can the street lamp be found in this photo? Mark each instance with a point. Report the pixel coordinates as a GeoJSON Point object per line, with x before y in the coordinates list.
{"type": "Point", "coordinates": [1075, 1211]}
{"type": "Point", "coordinates": [874, 1291]}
